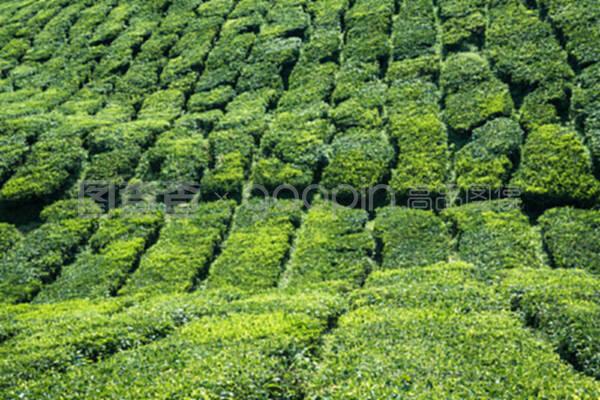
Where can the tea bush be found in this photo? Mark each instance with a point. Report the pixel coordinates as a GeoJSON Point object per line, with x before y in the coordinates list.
{"type": "Point", "coordinates": [571, 237]}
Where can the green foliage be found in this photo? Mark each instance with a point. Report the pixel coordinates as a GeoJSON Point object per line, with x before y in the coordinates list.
{"type": "Point", "coordinates": [414, 31]}
{"type": "Point", "coordinates": [239, 355]}
{"type": "Point", "coordinates": [38, 258]}
{"type": "Point", "coordinates": [9, 237]}
{"type": "Point", "coordinates": [216, 98]}
{"type": "Point", "coordinates": [359, 158]}
{"type": "Point", "coordinates": [572, 237]}
{"type": "Point", "coordinates": [52, 338]}
{"type": "Point", "coordinates": [556, 167]}
{"type": "Point", "coordinates": [450, 286]}
{"type": "Point", "coordinates": [183, 251]}
{"type": "Point", "coordinates": [378, 353]}
{"type": "Point", "coordinates": [332, 244]}
{"type": "Point", "coordinates": [368, 23]}
{"type": "Point", "coordinates": [463, 22]}
{"type": "Point", "coordinates": [411, 238]}
{"type": "Point", "coordinates": [586, 91]}
{"type": "Point", "coordinates": [534, 56]}
{"type": "Point", "coordinates": [253, 254]}
{"type": "Point", "coordinates": [489, 158]}
{"type": "Point", "coordinates": [292, 147]}
{"type": "Point", "coordinates": [577, 20]}
{"type": "Point", "coordinates": [564, 305]}
{"type": "Point", "coordinates": [179, 155]}
{"type": "Point", "coordinates": [47, 169]}
{"type": "Point", "coordinates": [114, 251]}
{"type": "Point", "coordinates": [473, 94]}
{"type": "Point", "coordinates": [495, 235]}
{"type": "Point", "coordinates": [420, 136]}
{"type": "Point", "coordinates": [165, 104]}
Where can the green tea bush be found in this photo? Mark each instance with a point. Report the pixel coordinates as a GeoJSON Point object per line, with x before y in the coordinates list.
{"type": "Point", "coordinates": [495, 235]}
{"type": "Point", "coordinates": [179, 155]}
{"type": "Point", "coordinates": [416, 128]}
{"type": "Point", "coordinates": [473, 94]}
{"type": "Point", "coordinates": [50, 339]}
{"type": "Point", "coordinates": [39, 257]}
{"type": "Point", "coordinates": [463, 22]}
{"type": "Point", "coordinates": [238, 355]}
{"type": "Point", "coordinates": [214, 99]}
{"type": "Point", "coordinates": [368, 25]}
{"type": "Point", "coordinates": [9, 237]}
{"type": "Point", "coordinates": [489, 158]}
{"type": "Point", "coordinates": [572, 237]}
{"type": "Point", "coordinates": [450, 286]}
{"type": "Point", "coordinates": [47, 169]}
{"type": "Point", "coordinates": [532, 58]}
{"type": "Point", "coordinates": [556, 168]}
{"type": "Point", "coordinates": [252, 256]}
{"type": "Point", "coordinates": [226, 61]}
{"type": "Point", "coordinates": [165, 104]}
{"type": "Point", "coordinates": [267, 61]}
{"type": "Point", "coordinates": [577, 21]}
{"type": "Point", "coordinates": [414, 32]}
{"type": "Point", "coordinates": [285, 19]}
{"type": "Point", "coordinates": [411, 238]}
{"type": "Point", "coordinates": [378, 353]}
{"type": "Point", "coordinates": [291, 149]}
{"type": "Point", "coordinates": [114, 251]}
{"type": "Point", "coordinates": [310, 84]}
{"type": "Point", "coordinates": [564, 305]}
{"type": "Point", "coordinates": [332, 244]}
{"type": "Point", "coordinates": [183, 251]}
{"type": "Point", "coordinates": [585, 103]}
{"type": "Point", "coordinates": [359, 158]}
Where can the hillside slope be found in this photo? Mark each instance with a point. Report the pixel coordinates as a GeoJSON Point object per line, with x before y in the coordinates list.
{"type": "Point", "coordinates": [299, 199]}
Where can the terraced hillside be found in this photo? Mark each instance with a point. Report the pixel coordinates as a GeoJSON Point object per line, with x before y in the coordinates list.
{"type": "Point", "coordinates": [299, 199]}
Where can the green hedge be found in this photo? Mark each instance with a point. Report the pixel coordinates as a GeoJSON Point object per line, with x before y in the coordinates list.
{"type": "Point", "coordinates": [285, 19]}
{"type": "Point", "coordinates": [224, 64]}
{"type": "Point", "coordinates": [381, 353]}
{"type": "Point", "coordinates": [360, 158]}
{"type": "Point", "coordinates": [237, 356]}
{"type": "Point", "coordinates": [556, 168]}
{"type": "Point", "coordinates": [253, 254]}
{"type": "Point", "coordinates": [50, 339]}
{"type": "Point", "coordinates": [39, 257]}
{"type": "Point", "coordinates": [564, 305]}
{"type": "Point", "coordinates": [473, 94]}
{"type": "Point", "coordinates": [463, 22]}
{"type": "Point", "coordinates": [332, 244]}
{"type": "Point", "coordinates": [269, 56]}
{"type": "Point", "coordinates": [452, 286]}
{"type": "Point", "coordinates": [414, 32]}
{"type": "Point", "coordinates": [420, 136]}
{"type": "Point", "coordinates": [368, 24]}
{"type": "Point", "coordinates": [291, 149]}
{"type": "Point", "coordinates": [164, 104]}
{"type": "Point", "coordinates": [411, 238]}
{"type": "Point", "coordinates": [577, 21]}
{"type": "Point", "coordinates": [114, 251]}
{"type": "Point", "coordinates": [490, 157]}
{"type": "Point", "coordinates": [585, 104]}
{"type": "Point", "coordinates": [183, 251]}
{"type": "Point", "coordinates": [572, 237]}
{"type": "Point", "coordinates": [9, 237]}
{"type": "Point", "coordinates": [179, 155]}
{"type": "Point", "coordinates": [53, 161]}
{"type": "Point", "coordinates": [495, 235]}
{"type": "Point", "coordinates": [534, 57]}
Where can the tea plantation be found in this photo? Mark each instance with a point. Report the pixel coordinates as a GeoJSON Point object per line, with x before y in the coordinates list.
{"type": "Point", "coordinates": [445, 243]}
